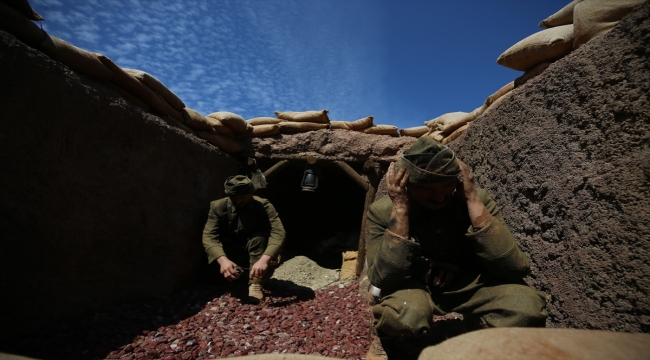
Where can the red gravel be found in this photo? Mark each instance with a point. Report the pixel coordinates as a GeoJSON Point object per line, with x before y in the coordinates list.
{"type": "Point", "coordinates": [211, 322]}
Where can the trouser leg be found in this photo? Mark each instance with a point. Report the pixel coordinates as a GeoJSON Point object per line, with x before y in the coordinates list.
{"type": "Point", "coordinates": [255, 247]}
{"type": "Point", "coordinates": [408, 311]}
{"type": "Point", "coordinates": [504, 305]}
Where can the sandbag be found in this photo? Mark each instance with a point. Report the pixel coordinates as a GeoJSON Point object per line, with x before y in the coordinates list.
{"type": "Point", "coordinates": [173, 122]}
{"type": "Point", "coordinates": [594, 18]}
{"type": "Point", "coordinates": [499, 93]}
{"type": "Point", "coordinates": [305, 116]}
{"type": "Point", "coordinates": [444, 120]}
{"type": "Point", "coordinates": [564, 16]}
{"type": "Point", "coordinates": [263, 121]}
{"type": "Point", "coordinates": [496, 102]}
{"type": "Point", "coordinates": [546, 45]}
{"type": "Point", "coordinates": [288, 127]}
{"type": "Point", "coordinates": [531, 73]}
{"type": "Point", "coordinates": [158, 87]}
{"type": "Point", "coordinates": [414, 131]}
{"type": "Point", "coordinates": [436, 135]}
{"type": "Point", "coordinates": [125, 94]}
{"type": "Point", "coordinates": [196, 121]}
{"type": "Point", "coordinates": [226, 144]}
{"type": "Point", "coordinates": [23, 8]}
{"type": "Point", "coordinates": [266, 130]}
{"type": "Point", "coordinates": [76, 58]}
{"type": "Point", "coordinates": [357, 125]}
{"type": "Point", "coordinates": [382, 130]}
{"type": "Point", "coordinates": [21, 27]}
{"type": "Point", "coordinates": [177, 115]}
{"type": "Point", "coordinates": [235, 122]}
{"type": "Point", "coordinates": [455, 134]}
{"type": "Point", "coordinates": [450, 128]}
{"type": "Point", "coordinates": [220, 128]}
{"type": "Point", "coordinates": [349, 266]}
{"type": "Point", "coordinates": [133, 85]}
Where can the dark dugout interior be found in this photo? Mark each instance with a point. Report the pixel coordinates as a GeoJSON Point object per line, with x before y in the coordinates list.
{"type": "Point", "coordinates": [320, 224]}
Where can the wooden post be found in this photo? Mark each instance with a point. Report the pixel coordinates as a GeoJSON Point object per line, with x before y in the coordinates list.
{"type": "Point", "coordinates": [370, 169]}
{"type": "Point", "coordinates": [353, 174]}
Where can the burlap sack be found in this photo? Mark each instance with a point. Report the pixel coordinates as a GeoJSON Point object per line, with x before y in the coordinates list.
{"type": "Point", "coordinates": [594, 18]}
{"type": "Point", "coordinates": [133, 85]}
{"type": "Point", "coordinates": [170, 110]}
{"type": "Point", "coordinates": [546, 45]}
{"type": "Point", "coordinates": [436, 135]}
{"type": "Point", "coordinates": [77, 59]}
{"type": "Point", "coordinates": [305, 116]}
{"type": "Point", "coordinates": [222, 142]}
{"type": "Point", "coordinates": [444, 120]}
{"type": "Point", "coordinates": [220, 128]}
{"type": "Point", "coordinates": [171, 121]}
{"type": "Point", "coordinates": [125, 94]}
{"type": "Point", "coordinates": [455, 134]}
{"type": "Point", "coordinates": [158, 87]}
{"type": "Point", "coordinates": [499, 93]}
{"type": "Point", "coordinates": [235, 122]}
{"type": "Point", "coordinates": [266, 130]}
{"type": "Point", "coordinates": [23, 8]}
{"type": "Point", "coordinates": [288, 127]}
{"type": "Point", "coordinates": [563, 17]}
{"type": "Point", "coordinates": [382, 130]}
{"type": "Point", "coordinates": [531, 73]}
{"type": "Point", "coordinates": [414, 131]}
{"type": "Point", "coordinates": [263, 121]}
{"type": "Point", "coordinates": [496, 102]}
{"type": "Point", "coordinates": [450, 128]}
{"type": "Point", "coordinates": [196, 121]}
{"type": "Point", "coordinates": [357, 125]}
{"type": "Point", "coordinates": [21, 27]}
{"type": "Point", "coordinates": [349, 266]}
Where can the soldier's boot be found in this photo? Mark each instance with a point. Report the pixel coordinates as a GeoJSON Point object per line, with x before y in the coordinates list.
{"type": "Point", "coordinates": [255, 294]}
{"type": "Point", "coordinates": [378, 348]}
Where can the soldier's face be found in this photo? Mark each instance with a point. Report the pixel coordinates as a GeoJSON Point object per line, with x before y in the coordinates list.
{"type": "Point", "coordinates": [433, 196]}
{"type": "Point", "coordinates": [240, 200]}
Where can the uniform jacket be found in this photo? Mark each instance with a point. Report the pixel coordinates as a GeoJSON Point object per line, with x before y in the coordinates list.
{"type": "Point", "coordinates": [444, 235]}
{"type": "Point", "coordinates": [257, 216]}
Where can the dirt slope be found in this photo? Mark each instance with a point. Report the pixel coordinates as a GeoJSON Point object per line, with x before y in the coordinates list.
{"type": "Point", "coordinates": [567, 158]}
{"type": "Point", "coordinates": [99, 200]}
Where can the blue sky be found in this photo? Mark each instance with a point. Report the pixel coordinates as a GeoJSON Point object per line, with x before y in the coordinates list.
{"type": "Point", "coordinates": [403, 61]}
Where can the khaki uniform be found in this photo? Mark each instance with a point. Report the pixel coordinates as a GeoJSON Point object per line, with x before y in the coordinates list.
{"type": "Point", "coordinates": [488, 288]}
{"type": "Point", "coordinates": [252, 231]}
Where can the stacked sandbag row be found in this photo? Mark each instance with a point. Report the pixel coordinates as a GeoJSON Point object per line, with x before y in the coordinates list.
{"type": "Point", "coordinates": [566, 30]}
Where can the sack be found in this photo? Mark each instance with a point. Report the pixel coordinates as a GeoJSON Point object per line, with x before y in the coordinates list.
{"type": "Point", "coordinates": [455, 134]}
{"type": "Point", "coordinates": [305, 116]}
{"type": "Point", "coordinates": [436, 135]}
{"type": "Point", "coordinates": [265, 130]}
{"type": "Point", "coordinates": [263, 121]}
{"type": "Point", "coordinates": [288, 127]}
{"type": "Point", "coordinates": [158, 87]}
{"type": "Point", "coordinates": [21, 27]}
{"type": "Point", "coordinates": [444, 120]}
{"type": "Point", "coordinates": [414, 131]}
{"type": "Point", "coordinates": [546, 45]}
{"type": "Point", "coordinates": [222, 142]}
{"type": "Point", "coordinates": [464, 120]}
{"type": "Point", "coordinates": [531, 73]}
{"type": "Point", "coordinates": [382, 130]}
{"type": "Point", "coordinates": [349, 266]}
{"type": "Point", "coordinates": [233, 121]}
{"type": "Point", "coordinates": [196, 121]}
{"type": "Point", "coordinates": [133, 85]}
{"type": "Point", "coordinates": [76, 58]}
{"type": "Point", "coordinates": [594, 18]}
{"type": "Point", "coordinates": [504, 90]}
{"type": "Point", "coordinates": [563, 17]}
{"type": "Point", "coordinates": [357, 125]}
{"type": "Point", "coordinates": [259, 180]}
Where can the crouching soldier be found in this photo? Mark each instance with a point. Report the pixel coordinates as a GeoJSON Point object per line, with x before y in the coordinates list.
{"type": "Point", "coordinates": [243, 232]}
{"type": "Point", "coordinates": [438, 244]}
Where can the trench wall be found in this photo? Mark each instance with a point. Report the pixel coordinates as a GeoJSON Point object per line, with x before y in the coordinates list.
{"type": "Point", "coordinates": [567, 158]}
{"type": "Point", "coordinates": [99, 201]}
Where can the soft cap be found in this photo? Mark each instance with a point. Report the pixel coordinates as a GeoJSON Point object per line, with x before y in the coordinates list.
{"type": "Point", "coordinates": [238, 185]}
{"type": "Point", "coordinates": [429, 161]}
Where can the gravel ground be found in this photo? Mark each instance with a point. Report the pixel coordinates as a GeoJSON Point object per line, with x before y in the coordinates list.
{"type": "Point", "coordinates": [212, 321]}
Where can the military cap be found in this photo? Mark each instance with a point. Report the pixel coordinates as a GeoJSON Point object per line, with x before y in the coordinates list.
{"type": "Point", "coordinates": [428, 161]}
{"type": "Point", "coordinates": [238, 185]}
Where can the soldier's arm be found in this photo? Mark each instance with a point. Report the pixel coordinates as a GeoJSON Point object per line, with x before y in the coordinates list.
{"type": "Point", "coordinates": [211, 242]}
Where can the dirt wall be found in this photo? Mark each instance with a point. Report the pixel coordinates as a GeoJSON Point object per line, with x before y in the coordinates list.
{"type": "Point", "coordinates": [100, 201]}
{"type": "Point", "coordinates": [566, 157]}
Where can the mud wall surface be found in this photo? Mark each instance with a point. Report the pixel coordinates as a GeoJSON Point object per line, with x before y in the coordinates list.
{"type": "Point", "coordinates": [567, 158]}
{"type": "Point", "coordinates": [100, 201]}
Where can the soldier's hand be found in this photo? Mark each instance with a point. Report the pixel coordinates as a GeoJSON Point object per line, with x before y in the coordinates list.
{"type": "Point", "coordinates": [446, 273]}
{"type": "Point", "coordinates": [260, 267]}
{"type": "Point", "coordinates": [466, 188]}
{"type": "Point", "coordinates": [396, 185]}
{"type": "Point", "coordinates": [229, 269]}
{"type": "Point", "coordinates": [478, 213]}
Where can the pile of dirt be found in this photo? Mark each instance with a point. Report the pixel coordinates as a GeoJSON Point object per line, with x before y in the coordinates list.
{"type": "Point", "coordinates": [566, 158]}
{"type": "Point", "coordinates": [302, 271]}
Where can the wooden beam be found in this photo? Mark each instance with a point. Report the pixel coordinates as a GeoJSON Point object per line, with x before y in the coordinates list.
{"type": "Point", "coordinates": [353, 174]}
{"type": "Point", "coordinates": [373, 183]}
{"type": "Point", "coordinates": [275, 168]}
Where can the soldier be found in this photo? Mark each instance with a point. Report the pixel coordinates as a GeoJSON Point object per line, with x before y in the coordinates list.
{"type": "Point", "coordinates": [246, 230]}
{"type": "Point", "coordinates": [438, 244]}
